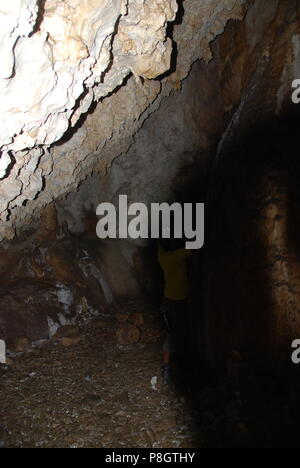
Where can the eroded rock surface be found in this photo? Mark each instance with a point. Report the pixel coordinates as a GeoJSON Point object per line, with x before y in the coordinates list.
{"type": "Point", "coordinates": [61, 57]}
{"type": "Point", "coordinates": [58, 52]}
{"type": "Point", "coordinates": [166, 132]}
{"type": "Point", "coordinates": [48, 285]}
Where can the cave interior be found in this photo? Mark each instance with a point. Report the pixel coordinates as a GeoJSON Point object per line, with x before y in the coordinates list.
{"type": "Point", "coordinates": [81, 316]}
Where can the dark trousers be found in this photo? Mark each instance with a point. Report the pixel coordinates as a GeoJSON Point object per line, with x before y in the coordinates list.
{"type": "Point", "coordinates": [176, 321]}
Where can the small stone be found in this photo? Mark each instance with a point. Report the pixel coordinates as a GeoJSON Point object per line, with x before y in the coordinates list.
{"type": "Point", "coordinates": [128, 335]}
{"type": "Point", "coordinates": [154, 383]}
{"type": "Point", "coordinates": [19, 344]}
{"type": "Point", "coordinates": [67, 342]}
{"type": "Point", "coordinates": [68, 331]}
{"type": "Point", "coordinates": [98, 324]}
{"type": "Point", "coordinates": [91, 399]}
{"type": "Point", "coordinates": [137, 320]}
{"type": "Point", "coordinates": [166, 424]}
{"type": "Point", "coordinates": [151, 437]}
{"type": "Point", "coordinates": [122, 318]}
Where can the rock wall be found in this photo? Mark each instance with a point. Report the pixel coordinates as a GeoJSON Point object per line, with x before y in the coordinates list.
{"type": "Point", "coordinates": [174, 146]}
{"type": "Point", "coordinates": [212, 140]}
{"type": "Point", "coordinates": [59, 53]}
{"type": "Point", "coordinates": [50, 282]}
{"type": "Point", "coordinates": [155, 140]}
{"type": "Point", "coordinates": [65, 57]}
{"type": "Point", "coordinates": [251, 263]}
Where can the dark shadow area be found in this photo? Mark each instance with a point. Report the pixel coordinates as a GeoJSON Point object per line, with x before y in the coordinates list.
{"type": "Point", "coordinates": [10, 166]}
{"type": "Point", "coordinates": [114, 34]}
{"type": "Point", "coordinates": [73, 130]}
{"type": "Point", "coordinates": [40, 17]}
{"type": "Point", "coordinates": [244, 307]}
{"type": "Point", "coordinates": [170, 34]}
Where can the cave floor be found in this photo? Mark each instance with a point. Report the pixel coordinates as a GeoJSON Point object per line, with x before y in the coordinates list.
{"type": "Point", "coordinates": [96, 393]}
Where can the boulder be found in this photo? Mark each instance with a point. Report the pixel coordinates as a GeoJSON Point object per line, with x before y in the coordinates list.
{"type": "Point", "coordinates": [67, 342]}
{"type": "Point", "coordinates": [19, 344]}
{"type": "Point", "coordinates": [128, 335]}
{"type": "Point", "coordinates": [121, 317]}
{"type": "Point", "coordinates": [137, 319]}
{"type": "Point", "coordinates": [68, 331]}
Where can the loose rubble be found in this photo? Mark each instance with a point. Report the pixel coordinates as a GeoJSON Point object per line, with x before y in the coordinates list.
{"type": "Point", "coordinates": [93, 392]}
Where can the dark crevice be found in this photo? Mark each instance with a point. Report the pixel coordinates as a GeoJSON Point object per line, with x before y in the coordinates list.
{"type": "Point", "coordinates": [10, 166]}
{"type": "Point", "coordinates": [41, 12]}
{"type": "Point", "coordinates": [170, 34]}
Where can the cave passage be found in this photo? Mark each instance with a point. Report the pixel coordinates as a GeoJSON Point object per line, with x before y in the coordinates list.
{"type": "Point", "coordinates": [98, 382]}
{"type": "Point", "coordinates": [131, 341]}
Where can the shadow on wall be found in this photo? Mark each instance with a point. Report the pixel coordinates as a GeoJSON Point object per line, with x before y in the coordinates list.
{"type": "Point", "coordinates": [129, 268]}
{"type": "Point", "coordinates": [252, 257]}
{"type": "Point", "coordinates": [41, 11]}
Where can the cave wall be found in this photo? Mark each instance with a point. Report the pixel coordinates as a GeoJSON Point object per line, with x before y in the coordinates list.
{"type": "Point", "coordinates": [184, 136]}
{"type": "Point", "coordinates": [251, 285]}
{"type": "Point", "coordinates": [169, 160]}
{"type": "Point", "coordinates": [244, 283]}
{"type": "Point", "coordinates": [251, 265]}
{"type": "Point", "coordinates": [95, 64]}
{"type": "Point", "coordinates": [196, 147]}
{"type": "Point", "coordinates": [174, 145]}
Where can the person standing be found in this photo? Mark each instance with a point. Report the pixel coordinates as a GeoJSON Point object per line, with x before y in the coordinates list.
{"type": "Point", "coordinates": [172, 258]}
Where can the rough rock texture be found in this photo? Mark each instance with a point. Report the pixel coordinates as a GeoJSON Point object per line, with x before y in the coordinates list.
{"type": "Point", "coordinates": [78, 53]}
{"type": "Point", "coordinates": [251, 269]}
{"type": "Point", "coordinates": [251, 266]}
{"type": "Point", "coordinates": [68, 50]}
{"type": "Point", "coordinates": [249, 295]}
{"type": "Point", "coordinates": [173, 146]}
{"type": "Point", "coordinates": [46, 285]}
{"type": "Point", "coordinates": [166, 133]}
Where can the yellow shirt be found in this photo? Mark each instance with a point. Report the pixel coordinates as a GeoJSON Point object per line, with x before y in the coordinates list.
{"type": "Point", "coordinates": [173, 265]}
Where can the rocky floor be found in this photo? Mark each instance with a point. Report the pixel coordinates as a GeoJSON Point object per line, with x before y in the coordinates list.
{"type": "Point", "coordinates": [95, 390]}
{"type": "Point", "coordinates": [100, 386]}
